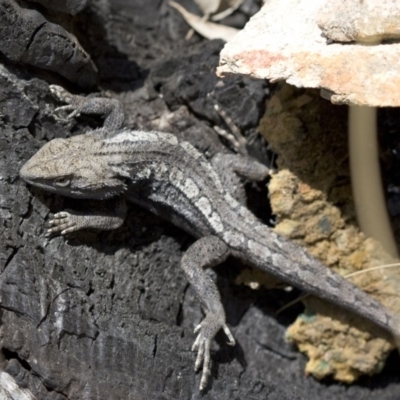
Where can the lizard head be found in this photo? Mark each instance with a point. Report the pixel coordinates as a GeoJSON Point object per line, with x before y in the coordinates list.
{"type": "Point", "coordinates": [73, 168]}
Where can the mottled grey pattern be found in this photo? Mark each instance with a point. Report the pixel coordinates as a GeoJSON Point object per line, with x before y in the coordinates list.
{"type": "Point", "coordinates": [172, 179]}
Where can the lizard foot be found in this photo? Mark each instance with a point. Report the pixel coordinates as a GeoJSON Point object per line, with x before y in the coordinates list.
{"type": "Point", "coordinates": [63, 223]}
{"type": "Point", "coordinates": [74, 113]}
{"type": "Point", "coordinates": [206, 331]}
{"type": "Point", "coordinates": [74, 102]}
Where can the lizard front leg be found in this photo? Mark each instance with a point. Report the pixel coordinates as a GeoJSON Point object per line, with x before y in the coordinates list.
{"type": "Point", "coordinates": [110, 109]}
{"type": "Point", "coordinates": [66, 222]}
{"type": "Point", "coordinates": [206, 252]}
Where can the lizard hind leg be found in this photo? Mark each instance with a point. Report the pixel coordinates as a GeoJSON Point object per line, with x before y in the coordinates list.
{"type": "Point", "coordinates": [206, 252]}
{"type": "Point", "coordinates": [231, 167]}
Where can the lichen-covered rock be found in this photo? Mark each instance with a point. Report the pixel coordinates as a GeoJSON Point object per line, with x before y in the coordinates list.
{"type": "Point", "coordinates": [311, 198]}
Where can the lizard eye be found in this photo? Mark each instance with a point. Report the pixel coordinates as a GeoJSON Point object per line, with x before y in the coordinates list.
{"type": "Point", "coordinates": [62, 181]}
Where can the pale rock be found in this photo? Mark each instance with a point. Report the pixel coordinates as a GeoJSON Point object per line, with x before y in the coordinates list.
{"type": "Point", "coordinates": [283, 42]}
{"type": "Point", "coordinates": [355, 20]}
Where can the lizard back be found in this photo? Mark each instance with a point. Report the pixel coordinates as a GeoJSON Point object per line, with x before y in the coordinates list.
{"type": "Point", "coordinates": [179, 184]}
{"type": "Point", "coordinates": [172, 179]}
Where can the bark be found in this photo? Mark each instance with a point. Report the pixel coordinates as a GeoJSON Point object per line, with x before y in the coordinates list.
{"type": "Point", "coordinates": [110, 315]}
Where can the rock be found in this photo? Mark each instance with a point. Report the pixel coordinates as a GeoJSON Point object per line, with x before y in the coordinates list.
{"type": "Point", "coordinates": [71, 7]}
{"type": "Point", "coordinates": [312, 201]}
{"type": "Point", "coordinates": [281, 45]}
{"type": "Point", "coordinates": [26, 36]}
{"type": "Point", "coordinates": [367, 20]}
{"type": "Point", "coordinates": [110, 315]}
{"type": "Point", "coordinates": [241, 97]}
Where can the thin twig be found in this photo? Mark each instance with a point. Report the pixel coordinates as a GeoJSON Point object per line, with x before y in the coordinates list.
{"type": "Point", "coordinates": [371, 269]}
{"type": "Point", "coordinates": [351, 275]}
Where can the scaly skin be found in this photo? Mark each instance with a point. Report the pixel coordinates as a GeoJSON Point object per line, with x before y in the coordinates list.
{"type": "Point", "coordinates": [172, 179]}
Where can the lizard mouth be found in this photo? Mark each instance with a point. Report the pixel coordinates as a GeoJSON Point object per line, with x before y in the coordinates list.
{"type": "Point", "coordinates": [25, 172]}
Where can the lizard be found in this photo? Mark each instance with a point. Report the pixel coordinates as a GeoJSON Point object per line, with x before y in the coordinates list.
{"type": "Point", "coordinates": [172, 179]}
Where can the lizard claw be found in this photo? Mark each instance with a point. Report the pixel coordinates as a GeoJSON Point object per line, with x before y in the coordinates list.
{"type": "Point", "coordinates": [62, 95]}
{"type": "Point", "coordinates": [62, 223]}
{"type": "Point", "coordinates": [202, 345]}
{"type": "Point", "coordinates": [75, 112]}
{"type": "Point", "coordinates": [228, 333]}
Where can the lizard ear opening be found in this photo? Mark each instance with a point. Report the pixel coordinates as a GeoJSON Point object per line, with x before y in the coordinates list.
{"type": "Point", "coordinates": [113, 186]}
{"type": "Point", "coordinates": [121, 173]}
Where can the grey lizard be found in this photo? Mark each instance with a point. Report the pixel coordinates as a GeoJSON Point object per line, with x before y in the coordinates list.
{"type": "Point", "coordinates": [172, 179]}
